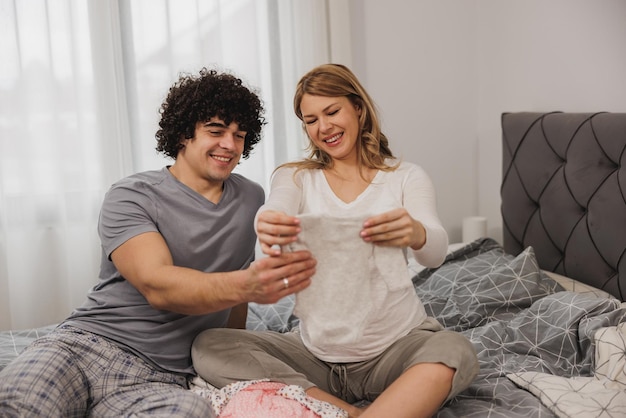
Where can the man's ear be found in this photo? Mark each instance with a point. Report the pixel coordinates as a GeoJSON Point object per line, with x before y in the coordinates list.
{"type": "Point", "coordinates": [184, 139]}
{"type": "Point", "coordinates": [182, 142]}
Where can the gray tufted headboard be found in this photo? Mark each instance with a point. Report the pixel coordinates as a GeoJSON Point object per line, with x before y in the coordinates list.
{"type": "Point", "coordinates": [564, 193]}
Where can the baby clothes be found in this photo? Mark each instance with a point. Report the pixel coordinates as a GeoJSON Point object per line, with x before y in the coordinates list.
{"type": "Point", "coordinates": [345, 314]}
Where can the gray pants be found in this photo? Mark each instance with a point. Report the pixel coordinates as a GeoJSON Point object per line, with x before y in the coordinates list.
{"type": "Point", "coordinates": [224, 356]}
{"type": "Point", "coordinates": [73, 373]}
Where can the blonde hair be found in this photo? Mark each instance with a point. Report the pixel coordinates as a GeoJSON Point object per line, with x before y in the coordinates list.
{"type": "Point", "coordinates": [336, 80]}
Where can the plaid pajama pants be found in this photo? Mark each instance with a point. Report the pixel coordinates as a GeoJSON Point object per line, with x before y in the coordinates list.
{"type": "Point", "coordinates": [73, 373]}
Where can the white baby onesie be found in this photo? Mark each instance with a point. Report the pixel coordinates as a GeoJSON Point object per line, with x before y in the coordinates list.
{"type": "Point", "coordinates": [344, 314]}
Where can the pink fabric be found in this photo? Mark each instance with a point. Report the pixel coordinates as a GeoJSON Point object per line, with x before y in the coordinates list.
{"type": "Point", "coordinates": [263, 400]}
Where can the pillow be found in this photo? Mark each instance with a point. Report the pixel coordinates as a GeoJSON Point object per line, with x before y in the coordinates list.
{"type": "Point", "coordinates": [480, 283]}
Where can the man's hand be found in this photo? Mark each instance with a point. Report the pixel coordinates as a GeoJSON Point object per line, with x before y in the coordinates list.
{"type": "Point", "coordinates": [145, 261]}
{"type": "Point", "coordinates": [273, 278]}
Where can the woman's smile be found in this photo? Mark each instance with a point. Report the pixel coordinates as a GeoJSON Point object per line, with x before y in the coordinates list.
{"type": "Point", "coordinates": [334, 139]}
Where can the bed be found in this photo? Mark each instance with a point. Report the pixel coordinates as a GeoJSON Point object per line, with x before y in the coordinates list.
{"type": "Point", "coordinates": [544, 308]}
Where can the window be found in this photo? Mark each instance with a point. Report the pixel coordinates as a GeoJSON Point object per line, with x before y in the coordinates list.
{"type": "Point", "coordinates": [81, 83]}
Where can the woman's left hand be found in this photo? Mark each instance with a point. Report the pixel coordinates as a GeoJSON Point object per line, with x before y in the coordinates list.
{"type": "Point", "coordinates": [275, 229]}
{"type": "Point", "coordinates": [395, 228]}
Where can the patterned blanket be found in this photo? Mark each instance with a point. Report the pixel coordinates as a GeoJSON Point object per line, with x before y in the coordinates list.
{"type": "Point", "coordinates": [601, 395]}
{"type": "Point", "coordinates": [518, 319]}
{"type": "Point", "coordinates": [543, 351]}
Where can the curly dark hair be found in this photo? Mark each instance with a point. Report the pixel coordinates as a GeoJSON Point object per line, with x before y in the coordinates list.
{"type": "Point", "coordinates": [198, 98]}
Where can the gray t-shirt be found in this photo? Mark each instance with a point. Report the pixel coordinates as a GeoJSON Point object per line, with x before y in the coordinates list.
{"type": "Point", "coordinates": [200, 235]}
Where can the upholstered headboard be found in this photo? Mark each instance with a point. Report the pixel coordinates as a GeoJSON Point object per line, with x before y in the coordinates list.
{"type": "Point", "coordinates": [564, 193]}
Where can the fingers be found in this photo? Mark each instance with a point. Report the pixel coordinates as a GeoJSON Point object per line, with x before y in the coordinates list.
{"type": "Point", "coordinates": [270, 240]}
{"type": "Point", "coordinates": [281, 275]}
{"type": "Point", "coordinates": [271, 250]}
{"type": "Point", "coordinates": [276, 228]}
{"type": "Point", "coordinates": [296, 283]}
{"type": "Point", "coordinates": [277, 223]}
{"type": "Point", "coordinates": [297, 266]}
{"type": "Point", "coordinates": [385, 217]}
{"type": "Point", "coordinates": [393, 228]}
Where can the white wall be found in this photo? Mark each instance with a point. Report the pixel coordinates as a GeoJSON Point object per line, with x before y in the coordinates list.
{"type": "Point", "coordinates": [443, 71]}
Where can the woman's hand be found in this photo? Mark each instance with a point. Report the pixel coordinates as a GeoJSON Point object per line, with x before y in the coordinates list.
{"type": "Point", "coordinates": [395, 228]}
{"type": "Point", "coordinates": [274, 229]}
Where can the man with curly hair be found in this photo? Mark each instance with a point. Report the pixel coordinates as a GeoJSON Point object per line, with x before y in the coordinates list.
{"type": "Point", "coordinates": [178, 248]}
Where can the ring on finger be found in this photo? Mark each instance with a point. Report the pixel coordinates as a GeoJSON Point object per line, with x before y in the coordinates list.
{"type": "Point", "coordinates": [286, 282]}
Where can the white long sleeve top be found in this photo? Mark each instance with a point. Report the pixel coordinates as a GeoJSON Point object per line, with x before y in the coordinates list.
{"type": "Point", "coordinates": [366, 314]}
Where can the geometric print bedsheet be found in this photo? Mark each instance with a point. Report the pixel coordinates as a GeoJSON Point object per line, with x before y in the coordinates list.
{"type": "Point", "coordinates": [525, 327]}
{"type": "Point", "coordinates": [601, 396]}
{"type": "Point", "coordinates": [13, 342]}
{"type": "Point", "coordinates": [518, 319]}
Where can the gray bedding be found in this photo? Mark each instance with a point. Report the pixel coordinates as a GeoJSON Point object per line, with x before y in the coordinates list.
{"type": "Point", "coordinates": [517, 318]}
{"type": "Point", "coordinates": [13, 342]}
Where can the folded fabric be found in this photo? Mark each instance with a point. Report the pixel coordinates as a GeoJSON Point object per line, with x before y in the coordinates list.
{"type": "Point", "coordinates": [601, 395]}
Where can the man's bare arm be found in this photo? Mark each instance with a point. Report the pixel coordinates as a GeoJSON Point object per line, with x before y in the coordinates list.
{"type": "Point", "coordinates": [145, 261]}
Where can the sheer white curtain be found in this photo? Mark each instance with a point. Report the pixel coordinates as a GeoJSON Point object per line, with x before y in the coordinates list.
{"type": "Point", "coordinates": [81, 83]}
